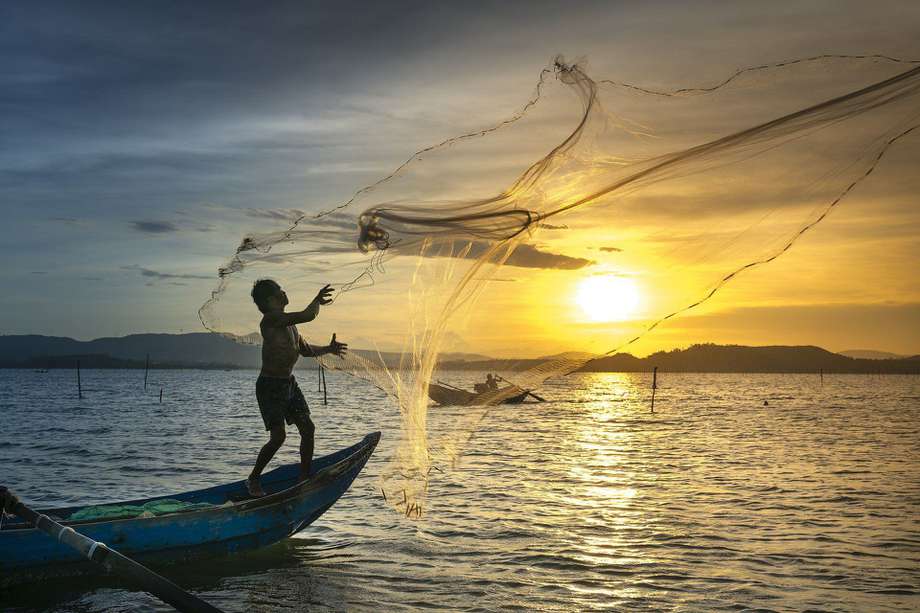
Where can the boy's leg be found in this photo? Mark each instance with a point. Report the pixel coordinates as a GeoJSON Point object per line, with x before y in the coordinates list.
{"type": "Point", "coordinates": [307, 430]}
{"type": "Point", "coordinates": [273, 396]}
{"type": "Point", "coordinates": [298, 413]}
{"type": "Point", "coordinates": [265, 455]}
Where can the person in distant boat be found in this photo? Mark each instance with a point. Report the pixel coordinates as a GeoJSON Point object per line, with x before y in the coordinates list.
{"type": "Point", "coordinates": [280, 399]}
{"type": "Point", "coordinates": [491, 382]}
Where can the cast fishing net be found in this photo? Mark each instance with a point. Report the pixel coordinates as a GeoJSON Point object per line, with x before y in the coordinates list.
{"type": "Point", "coordinates": [677, 192]}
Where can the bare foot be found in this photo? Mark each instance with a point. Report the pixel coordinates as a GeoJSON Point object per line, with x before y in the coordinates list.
{"type": "Point", "coordinates": [254, 487]}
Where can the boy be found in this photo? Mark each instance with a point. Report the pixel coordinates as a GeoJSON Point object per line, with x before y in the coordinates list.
{"type": "Point", "coordinates": [279, 397]}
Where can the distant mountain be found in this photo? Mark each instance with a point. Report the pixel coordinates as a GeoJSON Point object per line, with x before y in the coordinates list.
{"type": "Point", "coordinates": [190, 350]}
{"type": "Point", "coordinates": [463, 357]}
{"type": "Point", "coordinates": [738, 358]}
{"type": "Point", "coordinates": [569, 355]}
{"type": "Point", "coordinates": [203, 350]}
{"type": "Point", "coordinates": [721, 358]}
{"type": "Point", "coordinates": [870, 354]}
{"type": "Point", "coordinates": [194, 350]}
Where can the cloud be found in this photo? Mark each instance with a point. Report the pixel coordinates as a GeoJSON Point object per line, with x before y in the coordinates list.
{"type": "Point", "coordinates": [528, 256]}
{"type": "Point", "coordinates": [610, 249]}
{"type": "Point", "coordinates": [524, 256]}
{"type": "Point", "coordinates": [288, 215]}
{"type": "Point", "coordinates": [337, 220]}
{"type": "Point", "coordinates": [154, 227]}
{"type": "Point", "coordinates": [70, 221]}
{"type": "Point", "coordinates": [154, 274]}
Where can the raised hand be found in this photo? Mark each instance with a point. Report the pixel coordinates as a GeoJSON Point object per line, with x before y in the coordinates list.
{"type": "Point", "coordinates": [337, 348]}
{"type": "Point", "coordinates": [324, 296]}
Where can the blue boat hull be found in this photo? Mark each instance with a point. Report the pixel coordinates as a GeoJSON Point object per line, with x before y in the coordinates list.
{"type": "Point", "coordinates": [234, 524]}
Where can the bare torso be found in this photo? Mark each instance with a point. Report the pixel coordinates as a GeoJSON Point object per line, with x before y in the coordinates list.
{"type": "Point", "coordinates": [280, 350]}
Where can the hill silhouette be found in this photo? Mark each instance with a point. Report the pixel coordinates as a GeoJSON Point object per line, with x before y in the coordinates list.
{"type": "Point", "coordinates": [192, 350]}
{"type": "Point", "coordinates": [725, 358]}
{"type": "Point", "coordinates": [205, 350]}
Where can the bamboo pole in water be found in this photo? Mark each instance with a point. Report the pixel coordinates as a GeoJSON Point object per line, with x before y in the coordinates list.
{"type": "Point", "coordinates": [108, 558]}
{"type": "Point", "coordinates": [79, 384]}
{"type": "Point", "coordinates": [654, 386]}
{"type": "Point", "coordinates": [146, 369]}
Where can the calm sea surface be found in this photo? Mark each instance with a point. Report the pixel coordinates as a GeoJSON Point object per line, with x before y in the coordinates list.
{"type": "Point", "coordinates": [587, 502]}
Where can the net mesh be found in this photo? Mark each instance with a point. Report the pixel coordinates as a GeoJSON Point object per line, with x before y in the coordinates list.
{"type": "Point", "coordinates": [672, 193]}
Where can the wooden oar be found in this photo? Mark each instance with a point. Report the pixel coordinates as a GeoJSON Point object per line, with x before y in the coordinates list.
{"type": "Point", "coordinates": [459, 389]}
{"type": "Point", "coordinates": [529, 393]}
{"type": "Point", "coordinates": [108, 558]}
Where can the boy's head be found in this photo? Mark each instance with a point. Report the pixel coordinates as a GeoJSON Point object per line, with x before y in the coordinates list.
{"type": "Point", "coordinates": [268, 295]}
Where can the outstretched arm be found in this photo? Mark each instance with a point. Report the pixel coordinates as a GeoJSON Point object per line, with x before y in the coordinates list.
{"type": "Point", "coordinates": [334, 347]}
{"type": "Point", "coordinates": [283, 320]}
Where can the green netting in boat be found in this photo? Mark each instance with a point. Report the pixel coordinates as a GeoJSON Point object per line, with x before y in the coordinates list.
{"type": "Point", "coordinates": [150, 509]}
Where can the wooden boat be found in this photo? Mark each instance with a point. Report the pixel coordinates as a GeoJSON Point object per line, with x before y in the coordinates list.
{"type": "Point", "coordinates": [236, 522]}
{"type": "Point", "coordinates": [453, 396]}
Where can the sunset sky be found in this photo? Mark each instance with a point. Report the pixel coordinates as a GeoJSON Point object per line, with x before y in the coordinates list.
{"type": "Point", "coordinates": [139, 144]}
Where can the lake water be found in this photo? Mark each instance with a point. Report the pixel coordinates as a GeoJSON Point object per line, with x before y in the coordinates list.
{"type": "Point", "coordinates": [586, 502]}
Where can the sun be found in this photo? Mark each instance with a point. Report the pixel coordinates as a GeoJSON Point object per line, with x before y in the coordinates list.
{"type": "Point", "coordinates": [608, 297]}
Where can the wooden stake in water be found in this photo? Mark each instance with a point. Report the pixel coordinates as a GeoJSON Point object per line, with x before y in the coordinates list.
{"type": "Point", "coordinates": [161, 395]}
{"type": "Point", "coordinates": [146, 369]}
{"type": "Point", "coordinates": [322, 372]}
{"type": "Point", "coordinates": [821, 374]}
{"type": "Point", "coordinates": [654, 386]}
{"type": "Point", "coordinates": [79, 385]}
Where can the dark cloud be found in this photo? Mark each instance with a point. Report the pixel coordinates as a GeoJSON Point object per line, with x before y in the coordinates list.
{"type": "Point", "coordinates": [343, 221]}
{"type": "Point", "coordinates": [288, 215]}
{"type": "Point", "coordinates": [153, 274]}
{"type": "Point", "coordinates": [155, 227]}
{"type": "Point", "coordinates": [528, 256]}
{"type": "Point", "coordinates": [336, 220]}
{"type": "Point", "coordinates": [70, 221]}
{"type": "Point", "coordinates": [39, 272]}
{"type": "Point", "coordinates": [611, 249]}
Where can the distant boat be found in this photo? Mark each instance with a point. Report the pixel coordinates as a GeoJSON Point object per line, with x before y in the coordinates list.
{"type": "Point", "coordinates": [234, 521]}
{"type": "Point", "coordinates": [445, 395]}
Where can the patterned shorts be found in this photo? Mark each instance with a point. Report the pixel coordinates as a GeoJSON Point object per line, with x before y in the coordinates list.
{"type": "Point", "coordinates": [280, 400]}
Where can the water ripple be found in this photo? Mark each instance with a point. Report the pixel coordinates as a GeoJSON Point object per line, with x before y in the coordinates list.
{"type": "Point", "coordinates": [585, 503]}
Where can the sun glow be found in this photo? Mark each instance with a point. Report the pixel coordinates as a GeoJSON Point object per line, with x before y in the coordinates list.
{"type": "Point", "coordinates": [608, 297]}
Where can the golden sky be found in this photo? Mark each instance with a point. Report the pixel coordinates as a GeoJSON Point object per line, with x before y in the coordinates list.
{"type": "Point", "coordinates": [133, 167]}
